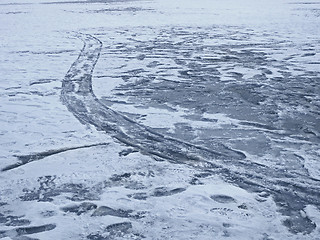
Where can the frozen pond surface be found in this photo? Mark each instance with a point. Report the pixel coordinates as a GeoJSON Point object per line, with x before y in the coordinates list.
{"type": "Point", "coordinates": [159, 119]}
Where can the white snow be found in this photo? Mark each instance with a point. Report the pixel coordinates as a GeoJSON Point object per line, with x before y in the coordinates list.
{"type": "Point", "coordinates": [38, 46]}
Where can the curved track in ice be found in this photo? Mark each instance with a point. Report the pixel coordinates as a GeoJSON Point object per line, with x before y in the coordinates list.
{"type": "Point", "coordinates": [291, 191]}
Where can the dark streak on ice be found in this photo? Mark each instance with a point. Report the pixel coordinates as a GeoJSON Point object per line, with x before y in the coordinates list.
{"type": "Point", "coordinates": [25, 159]}
{"type": "Point", "coordinates": [291, 191]}
{"type": "Point", "coordinates": [27, 230]}
{"type": "Point", "coordinates": [78, 96]}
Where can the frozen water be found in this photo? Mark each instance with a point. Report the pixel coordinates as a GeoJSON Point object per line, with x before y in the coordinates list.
{"type": "Point", "coordinates": [159, 119]}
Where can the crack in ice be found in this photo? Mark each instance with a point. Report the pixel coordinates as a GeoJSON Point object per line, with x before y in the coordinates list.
{"type": "Point", "coordinates": [25, 159]}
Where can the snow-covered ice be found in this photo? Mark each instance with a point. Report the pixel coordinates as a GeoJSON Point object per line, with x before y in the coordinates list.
{"type": "Point", "coordinates": [159, 119]}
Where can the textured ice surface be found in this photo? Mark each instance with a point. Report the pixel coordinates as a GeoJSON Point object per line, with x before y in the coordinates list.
{"type": "Point", "coordinates": [176, 119]}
